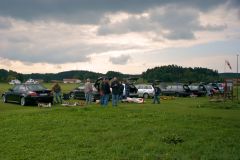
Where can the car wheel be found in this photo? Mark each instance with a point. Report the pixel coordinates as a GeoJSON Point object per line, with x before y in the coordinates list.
{"type": "Point", "coordinates": [145, 95]}
{"type": "Point", "coordinates": [23, 101]}
{"type": "Point", "coordinates": [4, 99]}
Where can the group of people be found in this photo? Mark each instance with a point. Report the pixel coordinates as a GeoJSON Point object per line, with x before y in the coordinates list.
{"type": "Point", "coordinates": [115, 88]}
{"type": "Point", "coordinates": [105, 89]}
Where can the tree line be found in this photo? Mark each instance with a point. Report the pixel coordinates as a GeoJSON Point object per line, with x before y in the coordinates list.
{"type": "Point", "coordinates": [169, 73]}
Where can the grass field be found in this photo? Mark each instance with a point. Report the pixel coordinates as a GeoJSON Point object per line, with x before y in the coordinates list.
{"type": "Point", "coordinates": [183, 128]}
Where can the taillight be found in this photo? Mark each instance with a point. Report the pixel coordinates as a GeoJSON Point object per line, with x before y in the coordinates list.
{"type": "Point", "coordinates": [30, 93]}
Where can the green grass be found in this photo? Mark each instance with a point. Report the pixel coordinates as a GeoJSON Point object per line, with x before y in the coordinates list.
{"type": "Point", "coordinates": [184, 128]}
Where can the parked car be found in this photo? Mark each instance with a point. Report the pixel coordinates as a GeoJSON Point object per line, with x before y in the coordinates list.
{"type": "Point", "coordinates": [132, 90]}
{"type": "Point", "coordinates": [214, 87]}
{"type": "Point", "coordinates": [78, 93]}
{"type": "Point", "coordinates": [31, 81]}
{"type": "Point", "coordinates": [145, 90]}
{"type": "Point", "coordinates": [176, 90]}
{"type": "Point", "coordinates": [15, 81]}
{"type": "Point", "coordinates": [199, 90]}
{"type": "Point", "coordinates": [28, 93]}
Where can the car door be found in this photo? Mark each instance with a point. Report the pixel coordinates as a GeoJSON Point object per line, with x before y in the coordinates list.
{"type": "Point", "coordinates": [17, 93]}
{"type": "Point", "coordinates": [11, 93]}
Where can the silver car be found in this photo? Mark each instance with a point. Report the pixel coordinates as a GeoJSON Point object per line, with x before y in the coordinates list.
{"type": "Point", "coordinates": [145, 90]}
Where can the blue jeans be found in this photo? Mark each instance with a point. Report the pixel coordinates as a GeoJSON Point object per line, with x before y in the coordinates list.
{"type": "Point", "coordinates": [156, 99]}
{"type": "Point", "coordinates": [120, 97]}
{"type": "Point", "coordinates": [105, 99]}
{"type": "Point", "coordinates": [58, 97]}
{"type": "Point", "coordinates": [88, 97]}
{"type": "Point", "coordinates": [102, 99]}
{"type": "Point", "coordinates": [115, 99]}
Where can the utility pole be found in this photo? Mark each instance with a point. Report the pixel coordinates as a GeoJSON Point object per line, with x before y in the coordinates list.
{"type": "Point", "coordinates": [237, 76]}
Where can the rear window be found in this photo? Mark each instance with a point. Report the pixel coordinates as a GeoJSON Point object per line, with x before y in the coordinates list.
{"type": "Point", "coordinates": [35, 87]}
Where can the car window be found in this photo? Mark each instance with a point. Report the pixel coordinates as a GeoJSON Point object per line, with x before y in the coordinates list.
{"type": "Point", "coordinates": [131, 86]}
{"type": "Point", "coordinates": [193, 87]}
{"type": "Point", "coordinates": [35, 87]}
{"type": "Point", "coordinates": [145, 87]}
{"type": "Point", "coordinates": [149, 87]}
{"type": "Point", "coordinates": [16, 88]}
{"type": "Point", "coordinates": [139, 86]}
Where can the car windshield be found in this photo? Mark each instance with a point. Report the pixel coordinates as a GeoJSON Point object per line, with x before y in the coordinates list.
{"type": "Point", "coordinates": [35, 87]}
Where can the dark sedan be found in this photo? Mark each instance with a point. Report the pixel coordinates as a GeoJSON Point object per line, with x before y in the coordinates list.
{"type": "Point", "coordinates": [78, 93]}
{"type": "Point", "coordinates": [28, 93]}
{"type": "Point", "coordinates": [178, 90]}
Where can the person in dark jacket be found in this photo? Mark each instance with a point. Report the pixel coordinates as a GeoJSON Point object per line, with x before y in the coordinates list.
{"type": "Point", "coordinates": [115, 91]}
{"type": "Point", "coordinates": [157, 91]}
{"type": "Point", "coordinates": [106, 91]}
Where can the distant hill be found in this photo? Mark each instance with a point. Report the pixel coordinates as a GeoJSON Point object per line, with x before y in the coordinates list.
{"type": "Point", "coordinates": [174, 73]}
{"type": "Point", "coordinates": [169, 73]}
{"type": "Point", "coordinates": [6, 76]}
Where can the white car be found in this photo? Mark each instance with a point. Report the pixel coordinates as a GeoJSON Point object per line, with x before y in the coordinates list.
{"type": "Point", "coordinates": [145, 90]}
{"type": "Point", "coordinates": [15, 81]}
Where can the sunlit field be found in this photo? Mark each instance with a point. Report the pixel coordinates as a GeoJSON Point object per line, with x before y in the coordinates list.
{"type": "Point", "coordinates": [180, 128]}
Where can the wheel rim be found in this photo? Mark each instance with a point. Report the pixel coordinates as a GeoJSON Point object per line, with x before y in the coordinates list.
{"type": "Point", "coordinates": [23, 102]}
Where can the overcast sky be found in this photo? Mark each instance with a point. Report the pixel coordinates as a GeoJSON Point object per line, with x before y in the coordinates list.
{"type": "Point", "coordinates": [127, 36]}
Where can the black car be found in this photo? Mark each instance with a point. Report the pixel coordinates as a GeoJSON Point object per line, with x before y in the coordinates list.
{"type": "Point", "coordinates": [199, 90]}
{"type": "Point", "coordinates": [28, 93]}
{"type": "Point", "coordinates": [178, 90]}
{"type": "Point", "coordinates": [78, 93]}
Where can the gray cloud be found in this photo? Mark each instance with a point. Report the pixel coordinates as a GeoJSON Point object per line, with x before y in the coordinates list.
{"type": "Point", "coordinates": [5, 23]}
{"type": "Point", "coordinates": [36, 49]}
{"type": "Point", "coordinates": [179, 23]}
{"type": "Point", "coordinates": [90, 11]}
{"type": "Point", "coordinates": [120, 60]}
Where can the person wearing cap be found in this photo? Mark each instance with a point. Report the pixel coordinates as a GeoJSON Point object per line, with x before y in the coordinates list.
{"type": "Point", "coordinates": [88, 89]}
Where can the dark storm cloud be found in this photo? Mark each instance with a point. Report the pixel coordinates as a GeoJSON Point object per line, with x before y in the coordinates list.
{"type": "Point", "coordinates": [26, 51]}
{"type": "Point", "coordinates": [120, 60]}
{"type": "Point", "coordinates": [179, 24]}
{"type": "Point", "coordinates": [90, 11]}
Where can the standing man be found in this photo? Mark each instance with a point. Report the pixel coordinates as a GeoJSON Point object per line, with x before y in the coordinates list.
{"type": "Point", "coordinates": [157, 91]}
{"type": "Point", "coordinates": [88, 89]}
{"type": "Point", "coordinates": [57, 93]}
{"type": "Point", "coordinates": [115, 91]}
{"type": "Point", "coordinates": [106, 92]}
